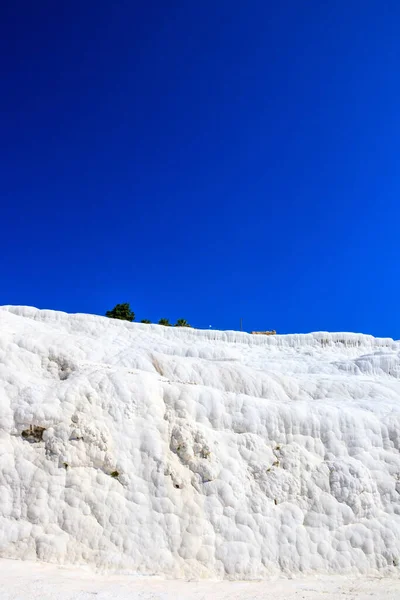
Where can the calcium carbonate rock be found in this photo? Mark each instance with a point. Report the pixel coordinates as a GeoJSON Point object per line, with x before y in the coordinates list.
{"type": "Point", "coordinates": [197, 453]}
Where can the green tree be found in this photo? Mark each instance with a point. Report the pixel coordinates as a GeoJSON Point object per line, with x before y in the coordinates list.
{"type": "Point", "coordinates": [145, 321]}
{"type": "Point", "coordinates": [122, 312]}
{"type": "Point", "coordinates": [182, 323]}
{"type": "Point", "coordinates": [164, 322]}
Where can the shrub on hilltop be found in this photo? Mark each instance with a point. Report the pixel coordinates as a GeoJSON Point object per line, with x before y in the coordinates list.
{"type": "Point", "coordinates": [182, 323]}
{"type": "Point", "coordinates": [164, 322]}
{"type": "Point", "coordinates": [122, 312]}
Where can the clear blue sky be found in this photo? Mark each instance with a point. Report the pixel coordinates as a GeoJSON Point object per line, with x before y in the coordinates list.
{"type": "Point", "coordinates": [206, 160]}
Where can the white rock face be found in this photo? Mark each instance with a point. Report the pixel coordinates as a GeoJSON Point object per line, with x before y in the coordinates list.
{"type": "Point", "coordinates": [197, 453]}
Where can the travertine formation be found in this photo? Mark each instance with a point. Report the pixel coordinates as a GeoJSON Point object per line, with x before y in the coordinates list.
{"type": "Point", "coordinates": [197, 453]}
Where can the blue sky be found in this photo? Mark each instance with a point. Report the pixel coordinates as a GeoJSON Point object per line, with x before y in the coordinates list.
{"type": "Point", "coordinates": [210, 161]}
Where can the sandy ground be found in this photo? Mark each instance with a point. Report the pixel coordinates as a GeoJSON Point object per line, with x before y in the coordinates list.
{"type": "Point", "coordinates": [37, 581]}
